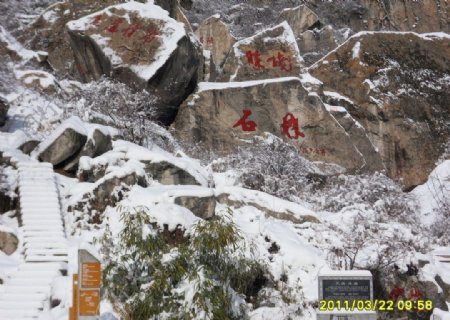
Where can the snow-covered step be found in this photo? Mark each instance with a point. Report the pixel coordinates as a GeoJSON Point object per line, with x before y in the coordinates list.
{"type": "Point", "coordinates": [35, 258]}
{"type": "Point", "coordinates": [44, 239]}
{"type": "Point", "coordinates": [40, 251]}
{"type": "Point", "coordinates": [40, 281]}
{"type": "Point", "coordinates": [39, 266]}
{"type": "Point", "coordinates": [25, 189]}
{"type": "Point", "coordinates": [38, 296]}
{"type": "Point", "coordinates": [28, 289]}
{"type": "Point", "coordinates": [42, 206]}
{"type": "Point", "coordinates": [44, 244]}
{"type": "Point", "coordinates": [37, 219]}
{"type": "Point", "coordinates": [49, 211]}
{"type": "Point", "coordinates": [30, 246]}
{"type": "Point", "coordinates": [8, 314]}
{"type": "Point", "coordinates": [43, 226]}
{"type": "Point", "coordinates": [29, 274]}
{"type": "Point", "coordinates": [49, 194]}
{"type": "Point", "coordinates": [54, 211]}
{"type": "Point", "coordinates": [31, 234]}
{"type": "Point", "coordinates": [32, 304]}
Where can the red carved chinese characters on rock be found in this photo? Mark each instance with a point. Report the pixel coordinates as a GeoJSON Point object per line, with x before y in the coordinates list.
{"type": "Point", "coordinates": [254, 58]}
{"type": "Point", "coordinates": [246, 125]}
{"type": "Point", "coordinates": [97, 19]}
{"type": "Point", "coordinates": [150, 34]}
{"type": "Point", "coordinates": [291, 123]}
{"type": "Point", "coordinates": [131, 30]}
{"type": "Point", "coordinates": [114, 27]}
{"type": "Point", "coordinates": [280, 61]}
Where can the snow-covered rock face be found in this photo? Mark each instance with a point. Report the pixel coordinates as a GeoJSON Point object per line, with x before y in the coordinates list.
{"type": "Point", "coordinates": [398, 85]}
{"type": "Point", "coordinates": [48, 33]}
{"type": "Point", "coordinates": [224, 116]}
{"type": "Point", "coordinates": [272, 53]}
{"type": "Point", "coordinates": [140, 45]}
{"type": "Point", "coordinates": [72, 140]}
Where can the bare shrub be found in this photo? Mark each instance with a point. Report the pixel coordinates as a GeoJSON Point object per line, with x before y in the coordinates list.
{"type": "Point", "coordinates": [113, 103]}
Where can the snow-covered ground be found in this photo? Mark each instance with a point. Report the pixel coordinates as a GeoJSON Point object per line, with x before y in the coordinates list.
{"type": "Point", "coordinates": [295, 240]}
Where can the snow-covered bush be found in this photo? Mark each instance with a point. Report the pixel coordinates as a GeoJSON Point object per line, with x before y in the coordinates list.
{"type": "Point", "coordinates": [113, 103]}
{"type": "Point", "coordinates": [375, 191]}
{"type": "Point", "coordinates": [272, 166]}
{"type": "Point", "coordinates": [199, 274]}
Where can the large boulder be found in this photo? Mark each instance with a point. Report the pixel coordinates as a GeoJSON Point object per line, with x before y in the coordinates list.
{"type": "Point", "coordinates": [156, 164]}
{"type": "Point", "coordinates": [272, 53]}
{"type": "Point", "coordinates": [300, 19]}
{"type": "Point", "coordinates": [98, 142]}
{"type": "Point", "coordinates": [63, 144]}
{"type": "Point", "coordinates": [168, 173]}
{"type": "Point", "coordinates": [8, 242]}
{"type": "Point", "coordinates": [216, 37]}
{"type": "Point", "coordinates": [202, 207]}
{"type": "Point", "coordinates": [48, 33]}
{"type": "Point", "coordinates": [3, 111]}
{"type": "Point", "coordinates": [398, 88]}
{"type": "Point", "coordinates": [224, 116]}
{"type": "Point", "coordinates": [140, 45]}
{"type": "Point", "coordinates": [72, 140]}
{"type": "Point", "coordinates": [107, 191]}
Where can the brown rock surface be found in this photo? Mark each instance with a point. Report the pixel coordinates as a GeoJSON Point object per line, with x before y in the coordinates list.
{"type": "Point", "coordinates": [300, 19]}
{"type": "Point", "coordinates": [216, 37]}
{"type": "Point", "coordinates": [223, 116]}
{"type": "Point", "coordinates": [8, 242]}
{"type": "Point", "coordinates": [140, 45]}
{"type": "Point", "coordinates": [272, 53]}
{"type": "Point", "coordinates": [398, 15]}
{"type": "Point", "coordinates": [48, 33]}
{"type": "Point", "coordinates": [400, 88]}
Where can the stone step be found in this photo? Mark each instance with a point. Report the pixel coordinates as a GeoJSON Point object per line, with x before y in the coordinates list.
{"type": "Point", "coordinates": [45, 245]}
{"type": "Point", "coordinates": [40, 252]}
{"type": "Point", "coordinates": [28, 289]}
{"type": "Point", "coordinates": [38, 239]}
{"type": "Point", "coordinates": [40, 266]}
{"type": "Point", "coordinates": [25, 282]}
{"type": "Point", "coordinates": [10, 314]}
{"type": "Point", "coordinates": [36, 258]}
{"type": "Point", "coordinates": [23, 297]}
{"type": "Point", "coordinates": [42, 227]}
{"type": "Point", "coordinates": [42, 233]}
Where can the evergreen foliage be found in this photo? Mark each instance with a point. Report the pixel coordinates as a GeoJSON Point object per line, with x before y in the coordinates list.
{"type": "Point", "coordinates": [146, 277]}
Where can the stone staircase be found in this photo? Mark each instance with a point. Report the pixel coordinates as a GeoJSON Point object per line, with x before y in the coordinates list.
{"type": "Point", "coordinates": [26, 292]}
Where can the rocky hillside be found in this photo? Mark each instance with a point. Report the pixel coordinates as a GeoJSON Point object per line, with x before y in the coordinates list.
{"type": "Point", "coordinates": [217, 158]}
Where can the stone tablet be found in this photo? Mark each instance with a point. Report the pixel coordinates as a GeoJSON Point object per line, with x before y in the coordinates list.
{"type": "Point", "coordinates": [346, 286]}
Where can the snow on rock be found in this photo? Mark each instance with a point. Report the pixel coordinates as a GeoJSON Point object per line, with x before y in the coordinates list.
{"type": "Point", "coordinates": [225, 116]}
{"type": "Point", "coordinates": [16, 51]}
{"type": "Point", "coordinates": [140, 45]}
{"type": "Point", "coordinates": [434, 194]}
{"type": "Point", "coordinates": [300, 18]}
{"type": "Point", "coordinates": [399, 96]}
{"type": "Point", "coordinates": [37, 79]}
{"type": "Point", "coordinates": [270, 205]}
{"type": "Point", "coordinates": [74, 137]}
{"type": "Point", "coordinates": [272, 53]}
